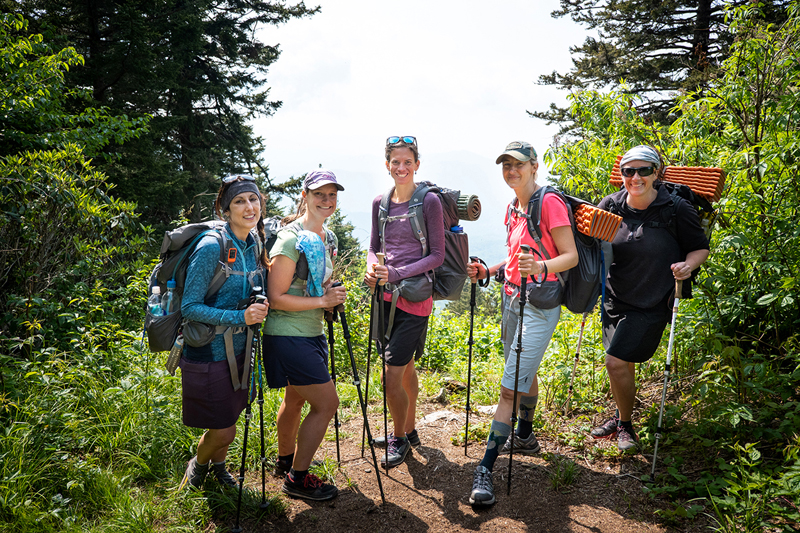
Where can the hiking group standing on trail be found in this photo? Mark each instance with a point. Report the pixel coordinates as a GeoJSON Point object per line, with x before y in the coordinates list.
{"type": "Point", "coordinates": [659, 241]}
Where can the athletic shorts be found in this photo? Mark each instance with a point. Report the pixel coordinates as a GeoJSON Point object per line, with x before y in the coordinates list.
{"type": "Point", "coordinates": [538, 326]}
{"type": "Point", "coordinates": [407, 339]}
{"type": "Point", "coordinates": [633, 334]}
{"type": "Point", "coordinates": [209, 401]}
{"type": "Point", "coordinates": [295, 360]}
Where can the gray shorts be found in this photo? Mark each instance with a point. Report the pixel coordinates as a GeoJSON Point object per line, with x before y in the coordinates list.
{"type": "Point", "coordinates": [538, 326]}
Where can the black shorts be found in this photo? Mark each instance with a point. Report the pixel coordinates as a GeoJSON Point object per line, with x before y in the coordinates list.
{"type": "Point", "coordinates": [295, 360]}
{"type": "Point", "coordinates": [633, 334]}
{"type": "Point", "coordinates": [407, 339]}
{"type": "Point", "coordinates": [209, 401]}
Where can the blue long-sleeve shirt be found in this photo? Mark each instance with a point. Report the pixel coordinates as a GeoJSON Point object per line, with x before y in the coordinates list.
{"type": "Point", "coordinates": [219, 309]}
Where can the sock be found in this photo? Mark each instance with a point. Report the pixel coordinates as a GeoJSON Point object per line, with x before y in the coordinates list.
{"type": "Point", "coordinates": [286, 459]}
{"type": "Point", "coordinates": [498, 435]}
{"type": "Point", "coordinates": [627, 425]}
{"type": "Point", "coordinates": [298, 475]}
{"type": "Point", "coordinates": [412, 434]}
{"type": "Point", "coordinates": [527, 405]}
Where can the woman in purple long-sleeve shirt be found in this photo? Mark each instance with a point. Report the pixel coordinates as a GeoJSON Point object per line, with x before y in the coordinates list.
{"type": "Point", "coordinates": [404, 259]}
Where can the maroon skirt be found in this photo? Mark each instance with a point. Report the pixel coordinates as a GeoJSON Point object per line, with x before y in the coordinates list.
{"type": "Point", "coordinates": [209, 401]}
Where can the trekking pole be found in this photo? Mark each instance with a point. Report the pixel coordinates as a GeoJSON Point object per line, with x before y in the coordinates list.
{"type": "Point", "coordinates": [678, 288]}
{"type": "Point", "coordinates": [264, 503]}
{"type": "Point", "coordinates": [331, 318]}
{"type": "Point", "coordinates": [258, 298]}
{"type": "Point", "coordinates": [471, 342]}
{"type": "Point", "coordinates": [523, 297]}
{"type": "Point", "coordinates": [361, 400]}
{"type": "Point", "coordinates": [575, 364]}
{"type": "Point", "coordinates": [369, 358]}
{"type": "Point", "coordinates": [381, 336]}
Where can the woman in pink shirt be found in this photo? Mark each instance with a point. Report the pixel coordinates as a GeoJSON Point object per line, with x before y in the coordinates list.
{"type": "Point", "coordinates": [520, 167]}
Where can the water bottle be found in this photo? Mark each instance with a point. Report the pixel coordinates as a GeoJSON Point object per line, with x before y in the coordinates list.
{"type": "Point", "coordinates": [168, 300]}
{"type": "Point", "coordinates": [154, 302]}
{"type": "Point", "coordinates": [175, 356]}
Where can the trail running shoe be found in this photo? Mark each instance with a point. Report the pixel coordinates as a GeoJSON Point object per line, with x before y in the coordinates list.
{"type": "Point", "coordinates": [195, 474]}
{"type": "Point", "coordinates": [282, 468]}
{"type": "Point", "coordinates": [482, 487]}
{"type": "Point", "coordinates": [396, 452]}
{"type": "Point", "coordinates": [413, 440]}
{"type": "Point", "coordinates": [626, 440]}
{"type": "Point", "coordinates": [528, 446]}
{"type": "Point", "coordinates": [223, 476]}
{"type": "Point", "coordinates": [311, 488]}
{"type": "Point", "coordinates": [608, 430]}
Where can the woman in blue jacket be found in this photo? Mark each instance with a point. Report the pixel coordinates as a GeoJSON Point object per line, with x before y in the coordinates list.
{"type": "Point", "coordinates": [211, 401]}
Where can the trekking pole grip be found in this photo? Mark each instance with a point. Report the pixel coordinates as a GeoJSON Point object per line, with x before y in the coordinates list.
{"type": "Point", "coordinates": [381, 261]}
{"type": "Point", "coordinates": [678, 288]}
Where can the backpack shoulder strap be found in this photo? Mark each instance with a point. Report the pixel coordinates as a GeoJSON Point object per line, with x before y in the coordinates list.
{"type": "Point", "coordinates": [220, 272]}
{"type": "Point", "coordinates": [416, 214]}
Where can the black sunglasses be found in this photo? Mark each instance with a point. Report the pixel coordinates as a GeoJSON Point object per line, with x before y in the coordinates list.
{"type": "Point", "coordinates": [629, 172]}
{"type": "Point", "coordinates": [234, 177]}
{"type": "Point", "coordinates": [407, 139]}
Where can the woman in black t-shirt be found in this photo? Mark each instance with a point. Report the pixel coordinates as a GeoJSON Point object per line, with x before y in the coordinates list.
{"type": "Point", "coordinates": [648, 258]}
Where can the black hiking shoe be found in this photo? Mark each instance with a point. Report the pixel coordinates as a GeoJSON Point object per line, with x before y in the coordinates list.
{"type": "Point", "coordinates": [626, 440]}
{"type": "Point", "coordinates": [282, 468]}
{"type": "Point", "coordinates": [482, 488]}
{"type": "Point", "coordinates": [413, 440]}
{"type": "Point", "coordinates": [311, 488]}
{"type": "Point", "coordinates": [528, 446]}
{"type": "Point", "coordinates": [396, 452]}
{"type": "Point", "coordinates": [223, 476]}
{"type": "Point", "coordinates": [608, 430]}
{"type": "Point", "coordinates": [195, 474]}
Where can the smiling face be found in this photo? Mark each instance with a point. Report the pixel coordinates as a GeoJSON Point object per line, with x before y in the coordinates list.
{"type": "Point", "coordinates": [244, 213]}
{"type": "Point", "coordinates": [640, 188]}
{"type": "Point", "coordinates": [519, 174]}
{"type": "Point", "coordinates": [402, 165]}
{"type": "Point", "coordinates": [321, 202]}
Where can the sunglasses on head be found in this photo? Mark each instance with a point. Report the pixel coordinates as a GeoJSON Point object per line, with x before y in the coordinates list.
{"type": "Point", "coordinates": [629, 172]}
{"type": "Point", "coordinates": [234, 177]}
{"type": "Point", "coordinates": [407, 139]}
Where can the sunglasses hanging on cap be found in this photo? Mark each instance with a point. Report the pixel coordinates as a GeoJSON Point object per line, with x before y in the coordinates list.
{"type": "Point", "coordinates": [629, 172]}
{"type": "Point", "coordinates": [234, 177]}
{"type": "Point", "coordinates": [407, 139]}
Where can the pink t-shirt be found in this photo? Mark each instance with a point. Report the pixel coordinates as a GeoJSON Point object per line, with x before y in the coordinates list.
{"type": "Point", "coordinates": [554, 214]}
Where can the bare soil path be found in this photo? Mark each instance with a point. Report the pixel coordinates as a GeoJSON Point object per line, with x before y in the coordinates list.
{"type": "Point", "coordinates": [430, 491]}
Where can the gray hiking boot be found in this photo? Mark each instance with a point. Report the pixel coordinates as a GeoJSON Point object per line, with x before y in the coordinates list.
{"type": "Point", "coordinates": [396, 452]}
{"type": "Point", "coordinates": [195, 474]}
{"type": "Point", "coordinates": [413, 440]}
{"type": "Point", "coordinates": [482, 487]}
{"type": "Point", "coordinates": [626, 440]}
{"type": "Point", "coordinates": [223, 476]}
{"type": "Point", "coordinates": [606, 431]}
{"type": "Point", "coordinates": [527, 446]}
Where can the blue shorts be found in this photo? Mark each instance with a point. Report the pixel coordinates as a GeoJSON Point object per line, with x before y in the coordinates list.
{"type": "Point", "coordinates": [538, 326]}
{"type": "Point", "coordinates": [295, 361]}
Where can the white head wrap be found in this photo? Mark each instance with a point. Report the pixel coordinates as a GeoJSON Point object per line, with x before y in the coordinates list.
{"type": "Point", "coordinates": [642, 153]}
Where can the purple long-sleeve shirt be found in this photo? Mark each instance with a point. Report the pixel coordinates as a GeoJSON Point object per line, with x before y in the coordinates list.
{"type": "Point", "coordinates": [404, 252]}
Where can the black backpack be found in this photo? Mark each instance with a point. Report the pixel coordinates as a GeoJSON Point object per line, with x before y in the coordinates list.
{"type": "Point", "coordinates": [584, 282]}
{"type": "Point", "coordinates": [669, 217]}
{"type": "Point", "coordinates": [448, 279]}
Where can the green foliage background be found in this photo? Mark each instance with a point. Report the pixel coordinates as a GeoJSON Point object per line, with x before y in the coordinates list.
{"type": "Point", "coordinates": [92, 436]}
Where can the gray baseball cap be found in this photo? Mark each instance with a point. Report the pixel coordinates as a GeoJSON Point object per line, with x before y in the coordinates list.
{"type": "Point", "coordinates": [519, 150]}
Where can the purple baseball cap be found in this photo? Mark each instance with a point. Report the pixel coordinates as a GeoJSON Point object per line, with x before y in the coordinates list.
{"type": "Point", "coordinates": [318, 178]}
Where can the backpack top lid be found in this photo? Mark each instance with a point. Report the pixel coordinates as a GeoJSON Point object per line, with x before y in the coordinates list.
{"type": "Point", "coordinates": [705, 182]}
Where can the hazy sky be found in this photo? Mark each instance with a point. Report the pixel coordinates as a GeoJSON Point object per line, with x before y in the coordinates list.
{"type": "Point", "coordinates": [458, 75]}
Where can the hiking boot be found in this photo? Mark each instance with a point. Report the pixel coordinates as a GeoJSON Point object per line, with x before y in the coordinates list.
{"type": "Point", "coordinates": [626, 440]}
{"type": "Point", "coordinates": [223, 476]}
{"type": "Point", "coordinates": [311, 488]}
{"type": "Point", "coordinates": [608, 430]}
{"type": "Point", "coordinates": [482, 487]}
{"type": "Point", "coordinates": [195, 474]}
{"type": "Point", "coordinates": [413, 440]}
{"type": "Point", "coordinates": [282, 468]}
{"type": "Point", "coordinates": [396, 452]}
{"type": "Point", "coordinates": [527, 446]}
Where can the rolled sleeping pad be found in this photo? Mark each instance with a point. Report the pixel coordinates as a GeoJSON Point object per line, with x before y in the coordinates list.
{"type": "Point", "coordinates": [469, 207]}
